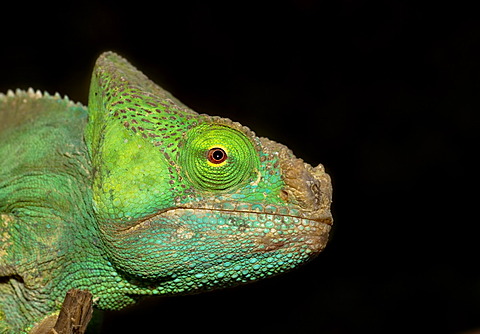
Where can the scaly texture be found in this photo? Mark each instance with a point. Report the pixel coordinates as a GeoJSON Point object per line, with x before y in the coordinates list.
{"type": "Point", "coordinates": [147, 197]}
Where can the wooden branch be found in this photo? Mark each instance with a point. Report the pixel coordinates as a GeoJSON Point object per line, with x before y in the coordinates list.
{"type": "Point", "coordinates": [73, 318]}
{"type": "Point", "coordinates": [75, 313]}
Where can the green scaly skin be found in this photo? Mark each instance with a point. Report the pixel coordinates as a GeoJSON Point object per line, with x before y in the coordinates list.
{"type": "Point", "coordinates": [140, 196]}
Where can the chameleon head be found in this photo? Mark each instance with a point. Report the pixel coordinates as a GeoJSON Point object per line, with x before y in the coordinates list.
{"type": "Point", "coordinates": [188, 202]}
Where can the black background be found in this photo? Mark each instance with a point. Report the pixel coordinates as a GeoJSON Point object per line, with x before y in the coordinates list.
{"type": "Point", "coordinates": [384, 94]}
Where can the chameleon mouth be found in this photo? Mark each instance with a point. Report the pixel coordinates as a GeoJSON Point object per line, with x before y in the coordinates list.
{"type": "Point", "coordinates": [319, 219]}
{"type": "Point", "coordinates": [271, 231]}
{"type": "Point", "coordinates": [327, 220]}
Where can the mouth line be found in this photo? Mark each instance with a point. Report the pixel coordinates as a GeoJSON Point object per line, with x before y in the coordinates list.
{"type": "Point", "coordinates": [138, 223]}
{"type": "Point", "coordinates": [318, 220]}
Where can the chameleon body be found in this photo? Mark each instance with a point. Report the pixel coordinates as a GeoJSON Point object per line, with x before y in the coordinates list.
{"type": "Point", "coordinates": [139, 195]}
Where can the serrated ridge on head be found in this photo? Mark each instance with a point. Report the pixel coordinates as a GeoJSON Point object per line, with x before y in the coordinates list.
{"type": "Point", "coordinates": [36, 94]}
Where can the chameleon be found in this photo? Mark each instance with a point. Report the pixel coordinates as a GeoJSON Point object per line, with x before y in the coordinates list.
{"type": "Point", "coordinates": [138, 195]}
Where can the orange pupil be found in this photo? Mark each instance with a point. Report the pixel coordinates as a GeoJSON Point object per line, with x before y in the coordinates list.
{"type": "Point", "coordinates": [216, 155]}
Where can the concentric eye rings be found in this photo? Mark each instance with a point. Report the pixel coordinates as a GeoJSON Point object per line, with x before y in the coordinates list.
{"type": "Point", "coordinates": [217, 157]}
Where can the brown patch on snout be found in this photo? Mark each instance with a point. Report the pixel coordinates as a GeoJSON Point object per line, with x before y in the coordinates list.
{"type": "Point", "coordinates": [301, 184]}
{"type": "Point", "coordinates": [306, 187]}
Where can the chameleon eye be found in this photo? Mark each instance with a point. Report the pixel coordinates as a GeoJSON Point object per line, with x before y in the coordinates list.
{"type": "Point", "coordinates": [216, 155]}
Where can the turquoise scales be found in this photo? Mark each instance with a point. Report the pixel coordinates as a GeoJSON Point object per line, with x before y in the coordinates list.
{"type": "Point", "coordinates": [144, 197]}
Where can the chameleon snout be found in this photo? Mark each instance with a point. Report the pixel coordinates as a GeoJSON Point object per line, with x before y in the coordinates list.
{"type": "Point", "coordinates": [309, 188]}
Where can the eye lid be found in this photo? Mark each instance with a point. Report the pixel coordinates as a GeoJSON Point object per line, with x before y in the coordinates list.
{"type": "Point", "coordinates": [240, 165]}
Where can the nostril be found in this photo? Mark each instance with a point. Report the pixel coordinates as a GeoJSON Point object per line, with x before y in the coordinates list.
{"type": "Point", "coordinates": [284, 195]}
{"type": "Point", "coordinates": [316, 192]}
{"type": "Point", "coordinates": [301, 187]}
